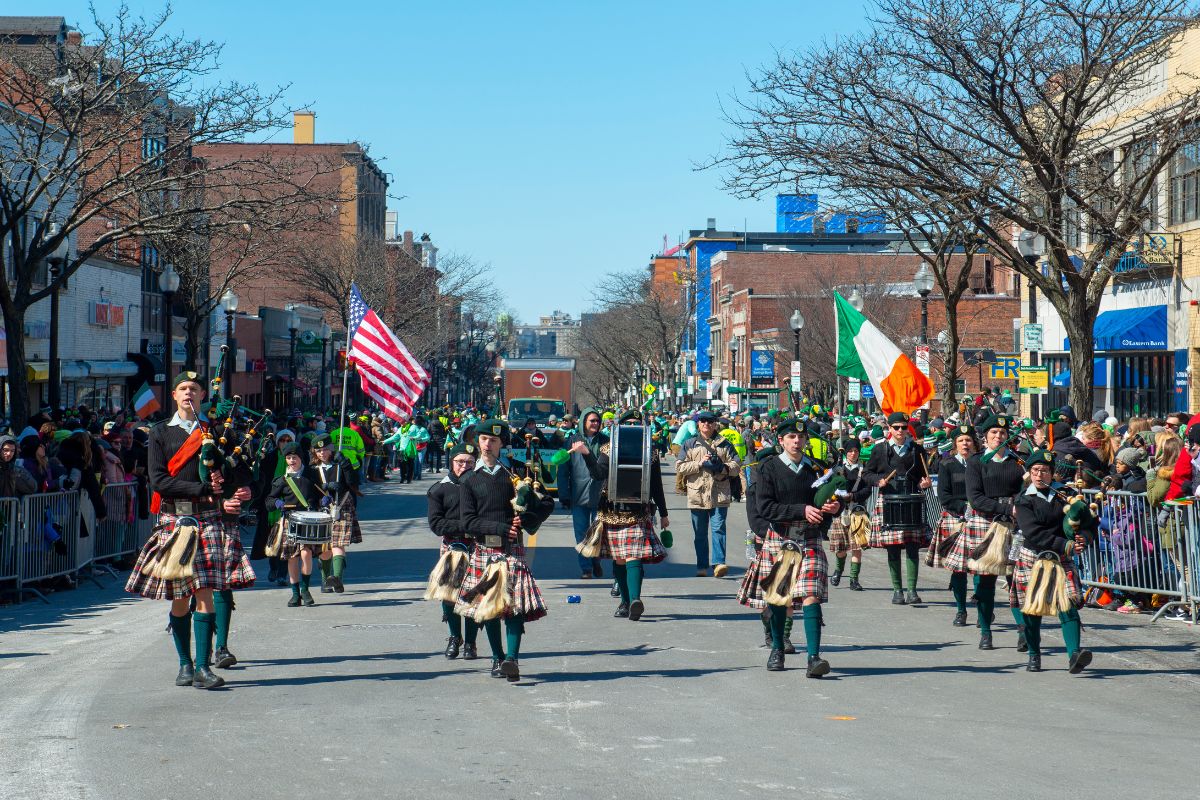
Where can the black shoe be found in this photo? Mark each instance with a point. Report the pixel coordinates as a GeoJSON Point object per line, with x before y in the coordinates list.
{"type": "Point", "coordinates": [496, 673]}
{"type": "Point", "coordinates": [1022, 644]}
{"type": "Point", "coordinates": [187, 674]}
{"type": "Point", "coordinates": [337, 584]}
{"type": "Point", "coordinates": [452, 646]}
{"type": "Point", "coordinates": [510, 670]}
{"type": "Point", "coordinates": [788, 648]}
{"type": "Point", "coordinates": [307, 597]}
{"type": "Point", "coordinates": [273, 575]}
{"type": "Point", "coordinates": [775, 661]}
{"type": "Point", "coordinates": [835, 578]}
{"type": "Point", "coordinates": [326, 586]}
{"type": "Point", "coordinates": [1035, 663]}
{"type": "Point", "coordinates": [817, 667]}
{"type": "Point", "coordinates": [1079, 661]}
{"type": "Point", "coordinates": [912, 598]}
{"type": "Point", "coordinates": [985, 642]}
{"type": "Point", "coordinates": [205, 678]}
{"type": "Point", "coordinates": [293, 602]}
{"type": "Point", "coordinates": [897, 598]}
{"type": "Point", "coordinates": [223, 659]}
{"type": "Point", "coordinates": [622, 611]}
{"type": "Point", "coordinates": [469, 652]}
{"type": "Point", "coordinates": [598, 568]}
{"type": "Point", "coordinates": [855, 586]}
{"type": "Point", "coordinates": [615, 591]}
{"type": "Point", "coordinates": [636, 609]}
{"type": "Point", "coordinates": [960, 619]}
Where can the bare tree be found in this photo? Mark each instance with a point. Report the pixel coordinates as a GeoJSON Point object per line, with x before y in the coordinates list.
{"type": "Point", "coordinates": [1052, 115]}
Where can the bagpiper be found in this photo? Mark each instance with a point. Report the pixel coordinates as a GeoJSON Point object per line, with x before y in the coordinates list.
{"type": "Point", "coordinates": [445, 520]}
{"type": "Point", "coordinates": [195, 550]}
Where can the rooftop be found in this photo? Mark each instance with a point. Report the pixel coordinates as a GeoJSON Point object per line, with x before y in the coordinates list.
{"type": "Point", "coordinates": [46, 26]}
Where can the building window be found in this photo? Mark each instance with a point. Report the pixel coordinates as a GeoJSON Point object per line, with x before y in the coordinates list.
{"type": "Point", "coordinates": [1183, 174]}
{"type": "Point", "coordinates": [153, 146]}
{"type": "Point", "coordinates": [1135, 168]}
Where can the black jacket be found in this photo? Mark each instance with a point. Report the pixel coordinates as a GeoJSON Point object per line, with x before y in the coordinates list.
{"type": "Point", "coordinates": [991, 485]}
{"type": "Point", "coordinates": [1071, 446]}
{"type": "Point", "coordinates": [487, 504]}
{"type": "Point", "coordinates": [1041, 523]}
{"type": "Point", "coordinates": [445, 507]}
{"type": "Point", "coordinates": [884, 459]}
{"type": "Point", "coordinates": [280, 490]}
{"type": "Point", "coordinates": [781, 495]}
{"type": "Point", "coordinates": [952, 486]}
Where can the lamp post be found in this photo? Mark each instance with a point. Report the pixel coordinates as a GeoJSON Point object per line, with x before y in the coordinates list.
{"type": "Point", "coordinates": [797, 324]}
{"type": "Point", "coordinates": [499, 381]}
{"type": "Point", "coordinates": [56, 259]}
{"type": "Point", "coordinates": [229, 303]}
{"type": "Point", "coordinates": [856, 299]}
{"type": "Point", "coordinates": [168, 284]}
{"type": "Point", "coordinates": [733, 351]}
{"type": "Point", "coordinates": [923, 283]}
{"type": "Point", "coordinates": [293, 329]}
{"type": "Point", "coordinates": [323, 394]}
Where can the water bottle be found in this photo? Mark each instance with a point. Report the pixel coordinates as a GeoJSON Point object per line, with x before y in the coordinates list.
{"type": "Point", "coordinates": [750, 554]}
{"type": "Point", "coordinates": [1014, 552]}
{"type": "Point", "coordinates": [574, 598]}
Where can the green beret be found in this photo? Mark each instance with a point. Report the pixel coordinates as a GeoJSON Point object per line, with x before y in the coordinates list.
{"type": "Point", "coordinates": [964, 430]}
{"type": "Point", "coordinates": [789, 426]}
{"type": "Point", "coordinates": [187, 376]}
{"type": "Point", "coordinates": [494, 427]}
{"type": "Point", "coordinates": [322, 440]}
{"type": "Point", "coordinates": [464, 449]}
{"type": "Point", "coordinates": [850, 444]}
{"type": "Point", "coordinates": [897, 416]}
{"type": "Point", "coordinates": [290, 449]}
{"type": "Point", "coordinates": [1040, 456]}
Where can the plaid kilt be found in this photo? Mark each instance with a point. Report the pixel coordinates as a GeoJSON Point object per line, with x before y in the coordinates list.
{"type": "Point", "coordinates": [220, 561]}
{"type": "Point", "coordinates": [344, 527]}
{"type": "Point", "coordinates": [973, 534]}
{"type": "Point", "coordinates": [355, 530]}
{"type": "Point", "coordinates": [1018, 582]}
{"type": "Point", "coordinates": [814, 573]}
{"type": "Point", "coordinates": [449, 540]}
{"type": "Point", "coordinates": [881, 538]}
{"type": "Point", "coordinates": [523, 593]}
{"type": "Point", "coordinates": [636, 541]}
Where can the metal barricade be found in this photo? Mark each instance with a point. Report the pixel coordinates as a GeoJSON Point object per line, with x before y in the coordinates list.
{"type": "Point", "coordinates": [116, 535]}
{"type": "Point", "coordinates": [1138, 551]}
{"type": "Point", "coordinates": [1187, 520]}
{"type": "Point", "coordinates": [10, 541]}
{"type": "Point", "coordinates": [45, 518]}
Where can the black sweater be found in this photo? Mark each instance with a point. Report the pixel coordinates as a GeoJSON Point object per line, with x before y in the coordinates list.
{"type": "Point", "coordinates": [952, 486]}
{"type": "Point", "coordinates": [1041, 523]}
{"type": "Point", "coordinates": [487, 504]}
{"type": "Point", "coordinates": [780, 495]}
{"type": "Point", "coordinates": [884, 459]}
{"type": "Point", "coordinates": [164, 441]}
{"type": "Point", "coordinates": [856, 474]}
{"type": "Point", "coordinates": [334, 483]}
{"type": "Point", "coordinates": [445, 507]}
{"type": "Point", "coordinates": [280, 490]}
{"type": "Point", "coordinates": [989, 484]}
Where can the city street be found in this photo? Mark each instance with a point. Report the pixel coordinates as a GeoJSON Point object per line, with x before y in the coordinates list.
{"type": "Point", "coordinates": [353, 698]}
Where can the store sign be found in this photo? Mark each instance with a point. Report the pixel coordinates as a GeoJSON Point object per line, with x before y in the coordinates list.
{"type": "Point", "coordinates": [538, 380]}
{"type": "Point", "coordinates": [258, 365]}
{"type": "Point", "coordinates": [762, 364]}
{"type": "Point", "coordinates": [106, 315]}
{"type": "Point", "coordinates": [795, 372]}
{"type": "Point", "coordinates": [1005, 367]}
{"type": "Point", "coordinates": [855, 390]}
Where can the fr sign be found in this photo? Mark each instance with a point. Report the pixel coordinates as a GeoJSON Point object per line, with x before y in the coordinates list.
{"type": "Point", "coordinates": [538, 380]}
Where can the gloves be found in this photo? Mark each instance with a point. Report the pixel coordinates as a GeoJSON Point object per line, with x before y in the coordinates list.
{"type": "Point", "coordinates": [326, 501]}
{"type": "Point", "coordinates": [279, 505]}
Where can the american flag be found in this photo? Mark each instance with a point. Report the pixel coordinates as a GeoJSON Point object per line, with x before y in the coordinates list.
{"type": "Point", "coordinates": [389, 374]}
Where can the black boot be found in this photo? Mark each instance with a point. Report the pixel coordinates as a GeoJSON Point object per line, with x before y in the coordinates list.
{"type": "Point", "coordinates": [1022, 644]}
{"type": "Point", "coordinates": [775, 661]}
{"type": "Point", "coordinates": [767, 639]}
{"type": "Point", "coordinates": [960, 619]}
{"type": "Point", "coordinates": [1080, 660]}
{"type": "Point", "coordinates": [307, 597]}
{"type": "Point", "coordinates": [615, 591]}
{"type": "Point", "coordinates": [223, 658]}
{"type": "Point", "coordinates": [510, 669]}
{"type": "Point", "coordinates": [636, 609]}
{"type": "Point", "coordinates": [186, 674]}
{"type": "Point", "coordinates": [855, 586]}
{"type": "Point", "coordinates": [897, 598]}
{"type": "Point", "coordinates": [205, 678]}
{"type": "Point", "coordinates": [788, 647]}
{"type": "Point", "coordinates": [293, 602]}
{"type": "Point", "coordinates": [817, 667]}
{"type": "Point", "coordinates": [496, 673]}
{"type": "Point", "coordinates": [326, 586]}
{"type": "Point", "coordinates": [985, 642]}
{"type": "Point", "coordinates": [912, 598]}
{"type": "Point", "coordinates": [469, 652]}
{"type": "Point", "coordinates": [622, 611]}
{"type": "Point", "coordinates": [835, 578]}
{"type": "Point", "coordinates": [452, 646]}
{"type": "Point", "coordinates": [1035, 663]}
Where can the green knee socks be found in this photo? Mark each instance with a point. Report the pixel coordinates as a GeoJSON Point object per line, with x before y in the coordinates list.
{"type": "Point", "coordinates": [958, 587]}
{"type": "Point", "coordinates": [812, 629]}
{"type": "Point", "coordinates": [787, 627]}
{"type": "Point", "coordinates": [181, 633]}
{"type": "Point", "coordinates": [223, 605]}
{"type": "Point", "coordinates": [911, 565]}
{"type": "Point", "coordinates": [985, 601]}
{"type": "Point", "coordinates": [453, 621]}
{"type": "Point", "coordinates": [326, 566]}
{"type": "Point", "coordinates": [339, 566]}
{"type": "Point", "coordinates": [1018, 617]}
{"type": "Point", "coordinates": [295, 591]}
{"type": "Point", "coordinates": [894, 567]}
{"type": "Point", "coordinates": [1071, 626]}
{"type": "Point", "coordinates": [305, 580]}
{"type": "Point", "coordinates": [778, 617]}
{"type": "Point", "coordinates": [492, 627]}
{"type": "Point", "coordinates": [513, 628]}
{"type": "Point", "coordinates": [634, 572]}
{"type": "Point", "coordinates": [855, 567]}
{"type": "Point", "coordinates": [621, 574]}
{"type": "Point", "coordinates": [472, 631]}
{"type": "Point", "coordinates": [1033, 633]}
{"type": "Point", "coordinates": [203, 624]}
{"type": "Point", "coordinates": [841, 564]}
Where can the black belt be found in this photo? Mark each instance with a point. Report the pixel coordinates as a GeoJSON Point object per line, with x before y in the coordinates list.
{"type": "Point", "coordinates": [182, 507]}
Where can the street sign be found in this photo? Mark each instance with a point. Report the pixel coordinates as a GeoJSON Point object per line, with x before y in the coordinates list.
{"type": "Point", "coordinates": [1032, 337]}
{"type": "Point", "coordinates": [868, 391]}
{"type": "Point", "coordinates": [797, 386]}
{"type": "Point", "coordinates": [1034, 380]}
{"type": "Point", "coordinates": [538, 380]}
{"type": "Point", "coordinates": [973, 356]}
{"type": "Point", "coordinates": [762, 364]}
{"type": "Point", "coordinates": [649, 388]}
{"type": "Point", "coordinates": [923, 364]}
{"type": "Point", "coordinates": [855, 391]}
{"type": "Point", "coordinates": [960, 386]}
{"type": "Point", "coordinates": [1005, 367]}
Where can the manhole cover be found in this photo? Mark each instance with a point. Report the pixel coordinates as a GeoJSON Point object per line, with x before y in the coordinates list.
{"type": "Point", "coordinates": [361, 627]}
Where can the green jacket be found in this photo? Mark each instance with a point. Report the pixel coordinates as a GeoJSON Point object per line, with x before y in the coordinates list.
{"type": "Point", "coordinates": [350, 444]}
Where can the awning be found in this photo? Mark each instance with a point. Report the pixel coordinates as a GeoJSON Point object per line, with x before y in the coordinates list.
{"type": "Point", "coordinates": [149, 368]}
{"type": "Point", "coordinates": [72, 370]}
{"type": "Point", "coordinates": [1143, 328]}
{"type": "Point", "coordinates": [37, 371]}
{"type": "Point", "coordinates": [753, 390]}
{"type": "Point", "coordinates": [1099, 374]}
{"type": "Point", "coordinates": [111, 369]}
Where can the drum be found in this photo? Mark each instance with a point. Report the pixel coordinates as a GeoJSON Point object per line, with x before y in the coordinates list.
{"type": "Point", "coordinates": [629, 464]}
{"type": "Point", "coordinates": [309, 527]}
{"type": "Point", "coordinates": [903, 512]}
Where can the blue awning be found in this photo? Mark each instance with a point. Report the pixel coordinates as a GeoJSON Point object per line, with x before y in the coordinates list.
{"type": "Point", "coordinates": [1099, 374]}
{"type": "Point", "coordinates": [1142, 328]}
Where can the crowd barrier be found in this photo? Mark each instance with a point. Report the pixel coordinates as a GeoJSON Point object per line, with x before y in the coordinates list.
{"type": "Point", "coordinates": [40, 537]}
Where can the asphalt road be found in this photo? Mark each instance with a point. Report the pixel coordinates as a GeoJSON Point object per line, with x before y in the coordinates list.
{"type": "Point", "coordinates": [353, 698]}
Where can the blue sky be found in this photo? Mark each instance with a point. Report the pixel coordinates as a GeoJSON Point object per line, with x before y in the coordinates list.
{"type": "Point", "coordinates": [553, 140]}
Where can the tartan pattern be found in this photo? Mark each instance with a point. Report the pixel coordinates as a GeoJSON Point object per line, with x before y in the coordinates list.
{"type": "Point", "coordinates": [524, 595]}
{"type": "Point", "coordinates": [344, 527]}
{"type": "Point", "coordinates": [812, 582]}
{"type": "Point", "coordinates": [220, 561]}
{"type": "Point", "coordinates": [881, 538]}
{"type": "Point", "coordinates": [973, 534]}
{"type": "Point", "coordinates": [1018, 582]}
{"type": "Point", "coordinates": [839, 534]}
{"type": "Point", "coordinates": [947, 525]}
{"type": "Point", "coordinates": [355, 530]}
{"type": "Point", "coordinates": [636, 541]}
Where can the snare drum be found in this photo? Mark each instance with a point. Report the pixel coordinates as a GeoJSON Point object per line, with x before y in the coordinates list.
{"type": "Point", "coordinates": [309, 527]}
{"type": "Point", "coordinates": [903, 512]}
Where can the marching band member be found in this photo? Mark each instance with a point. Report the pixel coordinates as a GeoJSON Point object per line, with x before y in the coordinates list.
{"type": "Point", "coordinates": [218, 565]}
{"type": "Point", "coordinates": [758, 533]}
{"type": "Point", "coordinates": [851, 467]}
{"type": "Point", "coordinates": [292, 491]}
{"type": "Point", "coordinates": [445, 520]}
{"type": "Point", "coordinates": [897, 467]}
{"type": "Point", "coordinates": [952, 497]}
{"type": "Point", "coordinates": [489, 516]}
{"type": "Point", "coordinates": [332, 474]}
{"type": "Point", "coordinates": [994, 481]}
{"type": "Point", "coordinates": [791, 566]}
{"type": "Point", "coordinates": [1049, 524]}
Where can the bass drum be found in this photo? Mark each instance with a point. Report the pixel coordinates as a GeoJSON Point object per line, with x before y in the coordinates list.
{"type": "Point", "coordinates": [630, 449]}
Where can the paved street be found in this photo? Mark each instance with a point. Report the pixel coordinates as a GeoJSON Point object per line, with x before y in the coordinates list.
{"type": "Point", "coordinates": [353, 698]}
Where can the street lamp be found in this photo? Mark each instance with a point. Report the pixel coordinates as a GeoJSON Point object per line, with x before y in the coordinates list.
{"type": "Point", "coordinates": [923, 283]}
{"type": "Point", "coordinates": [293, 321]}
{"type": "Point", "coordinates": [229, 304]}
{"type": "Point", "coordinates": [856, 299]}
{"type": "Point", "coordinates": [168, 284]}
{"type": "Point", "coordinates": [56, 259]}
{"type": "Point", "coordinates": [797, 323]}
{"type": "Point", "coordinates": [733, 351]}
{"type": "Point", "coordinates": [323, 394]}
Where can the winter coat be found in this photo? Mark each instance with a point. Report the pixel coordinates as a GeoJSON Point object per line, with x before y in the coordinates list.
{"type": "Point", "coordinates": [707, 489]}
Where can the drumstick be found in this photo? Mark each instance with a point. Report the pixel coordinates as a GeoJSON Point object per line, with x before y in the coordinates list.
{"type": "Point", "coordinates": [889, 476]}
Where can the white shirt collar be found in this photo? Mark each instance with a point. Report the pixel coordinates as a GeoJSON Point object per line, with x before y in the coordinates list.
{"type": "Point", "coordinates": [487, 469]}
{"type": "Point", "coordinates": [794, 466]}
{"type": "Point", "coordinates": [1034, 491]}
{"type": "Point", "coordinates": [188, 425]}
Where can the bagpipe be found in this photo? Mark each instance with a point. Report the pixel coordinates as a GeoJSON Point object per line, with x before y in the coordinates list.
{"type": "Point", "coordinates": [530, 491]}
{"type": "Point", "coordinates": [235, 441]}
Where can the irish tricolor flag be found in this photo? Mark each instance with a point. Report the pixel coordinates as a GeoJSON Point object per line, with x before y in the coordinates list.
{"type": "Point", "coordinates": [865, 353]}
{"type": "Point", "coordinates": [144, 402]}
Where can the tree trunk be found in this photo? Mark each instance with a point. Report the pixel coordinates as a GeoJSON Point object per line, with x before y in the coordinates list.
{"type": "Point", "coordinates": [1079, 320]}
{"type": "Point", "coordinates": [950, 369]}
{"type": "Point", "coordinates": [18, 383]}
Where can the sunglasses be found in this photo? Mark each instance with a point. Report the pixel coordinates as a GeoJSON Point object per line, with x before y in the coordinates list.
{"type": "Point", "coordinates": [899, 427]}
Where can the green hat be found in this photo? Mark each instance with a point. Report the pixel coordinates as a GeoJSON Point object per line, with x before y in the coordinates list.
{"type": "Point", "coordinates": [494, 427]}
{"type": "Point", "coordinates": [290, 449]}
{"type": "Point", "coordinates": [988, 421]}
{"type": "Point", "coordinates": [877, 433]}
{"type": "Point", "coordinates": [963, 430]}
{"type": "Point", "coordinates": [187, 376]}
{"type": "Point", "coordinates": [789, 426]}
{"type": "Point", "coordinates": [945, 445]}
{"type": "Point", "coordinates": [322, 440]}
{"type": "Point", "coordinates": [850, 444]}
{"type": "Point", "coordinates": [464, 449]}
{"type": "Point", "coordinates": [1040, 456]}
